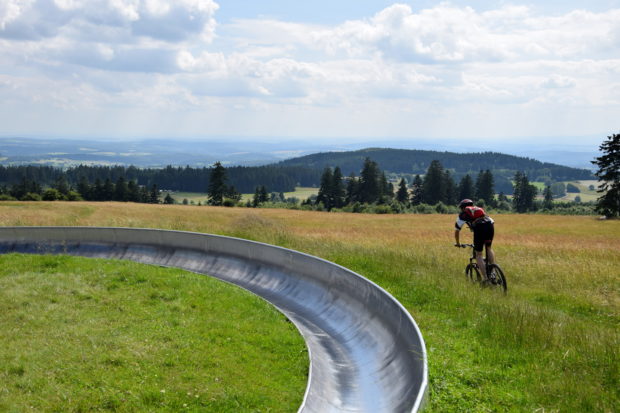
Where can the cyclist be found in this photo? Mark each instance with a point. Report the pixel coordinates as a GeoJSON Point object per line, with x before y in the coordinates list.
{"type": "Point", "coordinates": [483, 227]}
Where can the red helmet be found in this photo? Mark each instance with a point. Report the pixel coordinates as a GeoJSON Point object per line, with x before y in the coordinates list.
{"type": "Point", "coordinates": [466, 202]}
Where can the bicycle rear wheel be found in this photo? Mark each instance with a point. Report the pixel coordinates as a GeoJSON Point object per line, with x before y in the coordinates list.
{"type": "Point", "coordinates": [472, 273]}
{"type": "Point", "coordinates": [497, 275]}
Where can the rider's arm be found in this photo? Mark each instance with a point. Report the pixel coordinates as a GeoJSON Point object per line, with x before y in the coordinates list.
{"type": "Point", "coordinates": [457, 230]}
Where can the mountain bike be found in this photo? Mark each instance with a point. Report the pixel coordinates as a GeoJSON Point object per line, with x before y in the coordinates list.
{"type": "Point", "coordinates": [495, 276]}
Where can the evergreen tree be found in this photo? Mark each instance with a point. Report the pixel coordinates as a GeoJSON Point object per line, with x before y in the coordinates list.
{"type": "Point", "coordinates": [523, 193]}
{"type": "Point", "coordinates": [402, 195]}
{"type": "Point", "coordinates": [217, 185]}
{"type": "Point", "coordinates": [153, 195]}
{"type": "Point", "coordinates": [609, 177]}
{"type": "Point", "coordinates": [386, 188]}
{"type": "Point", "coordinates": [121, 190]}
{"type": "Point", "coordinates": [433, 188]}
{"type": "Point", "coordinates": [133, 191]}
{"type": "Point", "coordinates": [84, 189]}
{"type": "Point", "coordinates": [548, 202]}
{"type": "Point", "coordinates": [450, 189]}
{"type": "Point", "coordinates": [352, 189]}
{"type": "Point", "coordinates": [232, 193]}
{"type": "Point", "coordinates": [416, 190]}
{"type": "Point", "coordinates": [61, 185]}
{"type": "Point", "coordinates": [264, 194]}
{"type": "Point", "coordinates": [485, 187]}
{"type": "Point", "coordinates": [168, 199]}
{"type": "Point", "coordinates": [108, 190]}
{"type": "Point", "coordinates": [256, 198]}
{"type": "Point", "coordinates": [98, 192]}
{"type": "Point", "coordinates": [466, 188]}
{"type": "Point", "coordinates": [338, 188]}
{"type": "Point", "coordinates": [326, 190]}
{"type": "Point", "coordinates": [370, 188]}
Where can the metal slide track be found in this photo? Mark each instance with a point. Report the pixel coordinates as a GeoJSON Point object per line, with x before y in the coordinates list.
{"type": "Point", "coordinates": [366, 352]}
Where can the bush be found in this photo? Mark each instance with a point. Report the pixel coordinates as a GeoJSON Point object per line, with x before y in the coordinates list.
{"type": "Point", "coordinates": [52, 194]}
{"type": "Point", "coordinates": [229, 202]}
{"type": "Point", "coordinates": [73, 196]}
{"type": "Point", "coordinates": [572, 188]}
{"type": "Point", "coordinates": [5, 197]}
{"type": "Point", "coordinates": [31, 196]}
{"type": "Point", "coordinates": [382, 209]}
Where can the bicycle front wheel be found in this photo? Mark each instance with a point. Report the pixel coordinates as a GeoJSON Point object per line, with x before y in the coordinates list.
{"type": "Point", "coordinates": [499, 278]}
{"type": "Point", "coordinates": [472, 273]}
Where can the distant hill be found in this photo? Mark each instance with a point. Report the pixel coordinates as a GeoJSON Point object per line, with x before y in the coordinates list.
{"type": "Point", "coordinates": [408, 162]}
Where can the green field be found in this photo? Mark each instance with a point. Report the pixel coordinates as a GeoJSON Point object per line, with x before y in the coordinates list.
{"type": "Point", "coordinates": [300, 192]}
{"type": "Point", "coordinates": [550, 345]}
{"type": "Point", "coordinates": [91, 335]}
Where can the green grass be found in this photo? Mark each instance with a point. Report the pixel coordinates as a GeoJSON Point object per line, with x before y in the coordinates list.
{"type": "Point", "coordinates": [90, 335]}
{"type": "Point", "coordinates": [550, 345]}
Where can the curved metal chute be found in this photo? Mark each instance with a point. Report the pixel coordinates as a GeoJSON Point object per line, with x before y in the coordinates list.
{"type": "Point", "coordinates": [366, 352]}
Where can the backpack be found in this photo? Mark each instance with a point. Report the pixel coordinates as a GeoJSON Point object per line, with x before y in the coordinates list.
{"type": "Point", "coordinates": [475, 213]}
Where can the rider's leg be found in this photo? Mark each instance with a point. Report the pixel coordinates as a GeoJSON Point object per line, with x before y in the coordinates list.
{"type": "Point", "coordinates": [481, 264]}
{"type": "Point", "coordinates": [490, 255]}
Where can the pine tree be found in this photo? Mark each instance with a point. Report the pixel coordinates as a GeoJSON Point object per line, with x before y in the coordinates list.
{"type": "Point", "coordinates": [121, 190]}
{"type": "Point", "coordinates": [402, 195]}
{"type": "Point", "coordinates": [370, 188]}
{"type": "Point", "coordinates": [449, 189]}
{"type": "Point", "coordinates": [485, 187]}
{"type": "Point", "coordinates": [416, 190]}
{"type": "Point", "coordinates": [168, 199]}
{"type": "Point", "coordinates": [325, 195]}
{"type": "Point", "coordinates": [466, 188]}
{"type": "Point", "coordinates": [548, 202]}
{"type": "Point", "coordinates": [338, 188]}
{"type": "Point", "coordinates": [154, 195]}
{"type": "Point", "coordinates": [133, 191]}
{"type": "Point", "coordinates": [523, 193]}
{"type": "Point", "coordinates": [609, 177]}
{"type": "Point", "coordinates": [84, 189]}
{"type": "Point", "coordinates": [352, 190]}
{"type": "Point", "coordinates": [217, 185]}
{"type": "Point", "coordinates": [433, 188]}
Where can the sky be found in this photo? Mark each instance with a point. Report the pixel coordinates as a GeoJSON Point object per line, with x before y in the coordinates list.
{"type": "Point", "coordinates": [541, 71]}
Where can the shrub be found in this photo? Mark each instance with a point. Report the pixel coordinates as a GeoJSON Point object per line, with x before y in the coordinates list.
{"type": "Point", "coordinates": [52, 194]}
{"type": "Point", "coordinates": [31, 196]}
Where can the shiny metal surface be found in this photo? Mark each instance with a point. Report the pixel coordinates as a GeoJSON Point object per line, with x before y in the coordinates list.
{"type": "Point", "coordinates": [366, 352]}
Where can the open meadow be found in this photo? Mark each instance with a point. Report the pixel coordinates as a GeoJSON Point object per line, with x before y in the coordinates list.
{"type": "Point", "coordinates": [551, 344]}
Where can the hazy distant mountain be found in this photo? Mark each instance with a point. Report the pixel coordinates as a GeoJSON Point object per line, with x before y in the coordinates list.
{"type": "Point", "coordinates": [157, 153]}
{"type": "Point", "coordinates": [147, 153]}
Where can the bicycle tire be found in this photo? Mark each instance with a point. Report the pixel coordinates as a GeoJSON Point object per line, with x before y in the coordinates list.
{"type": "Point", "coordinates": [501, 278]}
{"type": "Point", "coordinates": [472, 273]}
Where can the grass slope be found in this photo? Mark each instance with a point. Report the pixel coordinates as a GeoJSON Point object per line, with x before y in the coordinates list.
{"type": "Point", "coordinates": [92, 335]}
{"type": "Point", "coordinates": [551, 344]}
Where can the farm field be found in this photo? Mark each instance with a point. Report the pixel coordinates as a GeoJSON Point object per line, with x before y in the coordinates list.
{"type": "Point", "coordinates": [551, 344]}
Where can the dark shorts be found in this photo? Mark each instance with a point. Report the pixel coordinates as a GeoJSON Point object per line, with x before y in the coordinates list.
{"type": "Point", "coordinates": [483, 235]}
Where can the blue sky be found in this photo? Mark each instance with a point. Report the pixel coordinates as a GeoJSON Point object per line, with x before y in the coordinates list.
{"type": "Point", "coordinates": [548, 71]}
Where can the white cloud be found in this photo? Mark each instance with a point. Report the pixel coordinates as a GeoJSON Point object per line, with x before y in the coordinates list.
{"type": "Point", "coordinates": [436, 63]}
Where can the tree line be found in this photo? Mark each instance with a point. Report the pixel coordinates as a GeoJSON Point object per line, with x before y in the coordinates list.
{"type": "Point", "coordinates": [184, 179]}
{"type": "Point", "coordinates": [437, 188]}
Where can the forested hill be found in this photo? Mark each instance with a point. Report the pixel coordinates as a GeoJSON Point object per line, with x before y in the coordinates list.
{"type": "Point", "coordinates": [412, 162]}
{"type": "Point", "coordinates": [409, 161]}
